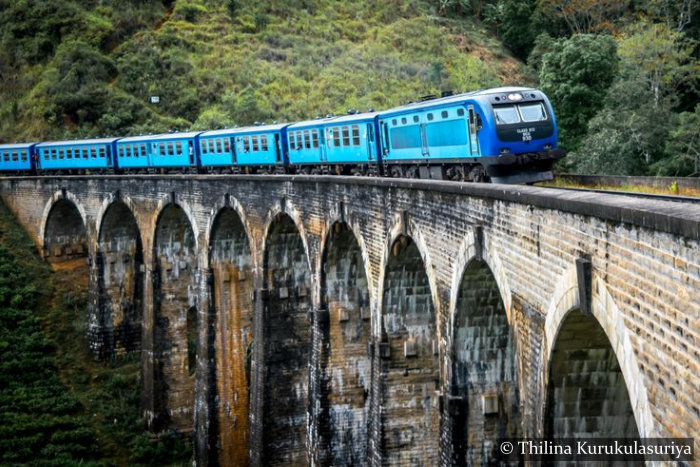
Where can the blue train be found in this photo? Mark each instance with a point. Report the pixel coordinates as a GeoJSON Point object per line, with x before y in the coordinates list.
{"type": "Point", "coordinates": [505, 135]}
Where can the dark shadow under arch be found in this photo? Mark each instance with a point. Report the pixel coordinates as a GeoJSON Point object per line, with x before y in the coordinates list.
{"type": "Point", "coordinates": [485, 402]}
{"type": "Point", "coordinates": [587, 395]}
{"type": "Point", "coordinates": [287, 344]}
{"type": "Point", "coordinates": [410, 375]}
{"type": "Point", "coordinates": [175, 300]}
{"type": "Point", "coordinates": [345, 363]}
{"type": "Point", "coordinates": [65, 236]}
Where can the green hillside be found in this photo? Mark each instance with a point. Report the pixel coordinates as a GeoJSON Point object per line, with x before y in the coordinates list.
{"type": "Point", "coordinates": [88, 68]}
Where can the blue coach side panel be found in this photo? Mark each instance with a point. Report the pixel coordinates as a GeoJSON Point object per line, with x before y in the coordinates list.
{"type": "Point", "coordinates": [17, 157]}
{"type": "Point", "coordinates": [174, 150]}
{"type": "Point", "coordinates": [133, 153]}
{"type": "Point", "coordinates": [76, 155]}
{"type": "Point", "coordinates": [349, 139]}
{"type": "Point", "coordinates": [248, 146]}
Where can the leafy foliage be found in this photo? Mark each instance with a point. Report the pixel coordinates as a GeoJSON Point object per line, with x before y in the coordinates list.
{"type": "Point", "coordinates": [576, 74]}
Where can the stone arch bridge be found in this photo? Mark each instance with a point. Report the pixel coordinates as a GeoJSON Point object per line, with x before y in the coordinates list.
{"type": "Point", "coordinates": [351, 321]}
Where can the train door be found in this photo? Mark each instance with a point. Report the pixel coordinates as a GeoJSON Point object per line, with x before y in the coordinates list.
{"type": "Point", "coordinates": [278, 148]}
{"type": "Point", "coordinates": [234, 155]}
{"type": "Point", "coordinates": [323, 155]}
{"type": "Point", "coordinates": [473, 129]}
{"type": "Point", "coordinates": [384, 137]}
{"type": "Point", "coordinates": [425, 149]}
{"type": "Point", "coordinates": [371, 147]}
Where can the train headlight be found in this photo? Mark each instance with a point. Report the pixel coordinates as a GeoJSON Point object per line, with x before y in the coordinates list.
{"type": "Point", "coordinates": [548, 146]}
{"type": "Point", "coordinates": [505, 150]}
{"type": "Point", "coordinates": [515, 97]}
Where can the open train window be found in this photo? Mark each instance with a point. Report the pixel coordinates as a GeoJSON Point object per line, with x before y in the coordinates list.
{"type": "Point", "coordinates": [506, 114]}
{"type": "Point", "coordinates": [171, 151]}
{"type": "Point", "coordinates": [307, 139]}
{"type": "Point", "coordinates": [532, 112]}
{"type": "Point", "coordinates": [143, 149]}
{"type": "Point", "coordinates": [219, 146]}
{"type": "Point", "coordinates": [54, 153]}
{"type": "Point", "coordinates": [314, 138]}
{"type": "Point", "coordinates": [5, 156]}
{"type": "Point", "coordinates": [102, 152]}
{"type": "Point", "coordinates": [23, 155]}
{"type": "Point", "coordinates": [178, 148]}
{"type": "Point", "coordinates": [256, 147]}
{"type": "Point", "coordinates": [86, 152]}
{"type": "Point", "coordinates": [93, 153]}
{"type": "Point", "coordinates": [15, 156]}
{"type": "Point", "coordinates": [355, 135]}
{"type": "Point", "coordinates": [227, 145]}
{"type": "Point", "coordinates": [246, 144]}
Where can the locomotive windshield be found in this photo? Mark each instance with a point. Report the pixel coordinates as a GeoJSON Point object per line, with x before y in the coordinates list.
{"type": "Point", "coordinates": [509, 114]}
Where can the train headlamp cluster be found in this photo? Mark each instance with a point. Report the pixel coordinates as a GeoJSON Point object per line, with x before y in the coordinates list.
{"type": "Point", "coordinates": [515, 97]}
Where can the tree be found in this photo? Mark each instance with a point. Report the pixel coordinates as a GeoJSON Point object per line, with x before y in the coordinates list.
{"type": "Point", "coordinates": [576, 75]}
{"type": "Point", "coordinates": [682, 147]}
{"type": "Point", "coordinates": [664, 55]}
{"type": "Point", "coordinates": [586, 16]}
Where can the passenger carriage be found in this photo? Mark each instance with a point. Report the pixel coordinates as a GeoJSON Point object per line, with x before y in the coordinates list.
{"type": "Point", "coordinates": [17, 157]}
{"type": "Point", "coordinates": [341, 145]}
{"type": "Point", "coordinates": [248, 150]}
{"type": "Point", "coordinates": [75, 157]}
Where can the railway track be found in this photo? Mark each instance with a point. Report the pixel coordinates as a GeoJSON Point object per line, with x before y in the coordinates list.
{"type": "Point", "coordinates": [635, 194]}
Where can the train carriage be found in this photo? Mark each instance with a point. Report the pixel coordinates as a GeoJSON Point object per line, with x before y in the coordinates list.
{"type": "Point", "coordinates": [76, 156]}
{"type": "Point", "coordinates": [133, 154]}
{"type": "Point", "coordinates": [249, 148]}
{"type": "Point", "coordinates": [17, 157]}
{"type": "Point", "coordinates": [346, 144]}
{"type": "Point", "coordinates": [168, 151]}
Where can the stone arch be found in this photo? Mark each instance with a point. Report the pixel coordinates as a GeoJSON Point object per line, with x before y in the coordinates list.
{"type": "Point", "coordinates": [228, 202]}
{"type": "Point", "coordinates": [601, 369]}
{"type": "Point", "coordinates": [345, 363]}
{"type": "Point", "coordinates": [231, 264]}
{"type": "Point", "coordinates": [484, 402]}
{"type": "Point", "coordinates": [175, 318]}
{"type": "Point", "coordinates": [409, 359]}
{"type": "Point", "coordinates": [287, 305]}
{"type": "Point", "coordinates": [64, 231]}
{"type": "Point", "coordinates": [120, 280]}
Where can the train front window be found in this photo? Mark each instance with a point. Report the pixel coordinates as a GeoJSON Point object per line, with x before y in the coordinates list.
{"type": "Point", "coordinates": [532, 112]}
{"type": "Point", "coordinates": [506, 115]}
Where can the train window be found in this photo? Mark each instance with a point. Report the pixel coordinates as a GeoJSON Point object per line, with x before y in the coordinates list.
{"type": "Point", "coordinates": [204, 146]}
{"type": "Point", "coordinates": [5, 156]}
{"type": "Point", "coordinates": [86, 152]}
{"type": "Point", "coordinates": [355, 135]}
{"type": "Point", "coordinates": [122, 151]}
{"type": "Point", "coordinates": [506, 114]}
{"type": "Point", "coordinates": [336, 137]}
{"type": "Point", "coordinates": [246, 144]}
{"type": "Point", "coordinates": [307, 139]}
{"type": "Point", "coordinates": [292, 146]}
{"type": "Point", "coordinates": [93, 152]}
{"type": "Point", "coordinates": [430, 117]}
{"type": "Point", "coordinates": [263, 143]}
{"type": "Point", "coordinates": [532, 112]}
{"type": "Point", "coordinates": [346, 136]}
{"type": "Point", "coordinates": [171, 149]}
{"type": "Point", "coordinates": [449, 133]}
{"type": "Point", "coordinates": [370, 133]}
{"type": "Point", "coordinates": [54, 153]}
{"type": "Point", "coordinates": [23, 155]}
{"type": "Point", "coordinates": [256, 147]}
{"type": "Point", "coordinates": [406, 137]}
{"type": "Point", "coordinates": [460, 112]}
{"type": "Point", "coordinates": [15, 156]}
{"type": "Point", "coordinates": [178, 148]}
{"type": "Point", "coordinates": [314, 138]}
{"type": "Point", "coordinates": [393, 122]}
{"type": "Point", "coordinates": [61, 153]}
{"type": "Point", "coordinates": [227, 145]}
{"type": "Point", "coordinates": [143, 149]}
{"type": "Point", "coordinates": [219, 146]}
{"type": "Point", "coordinates": [444, 114]}
{"type": "Point", "coordinates": [69, 153]}
{"type": "Point", "coordinates": [416, 118]}
{"type": "Point", "coordinates": [102, 152]}
{"type": "Point", "coordinates": [404, 121]}
{"type": "Point", "coordinates": [161, 149]}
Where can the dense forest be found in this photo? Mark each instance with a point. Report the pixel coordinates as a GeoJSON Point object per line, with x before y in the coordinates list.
{"type": "Point", "coordinates": [622, 74]}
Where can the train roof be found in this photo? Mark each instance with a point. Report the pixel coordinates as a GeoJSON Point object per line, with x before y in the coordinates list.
{"type": "Point", "coordinates": [77, 142]}
{"type": "Point", "coordinates": [160, 137]}
{"type": "Point", "coordinates": [454, 99]}
{"type": "Point", "coordinates": [335, 120]}
{"type": "Point", "coordinates": [245, 129]}
{"type": "Point", "coordinates": [16, 145]}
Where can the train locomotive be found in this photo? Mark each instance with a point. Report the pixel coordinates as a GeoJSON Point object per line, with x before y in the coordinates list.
{"type": "Point", "coordinates": [502, 135]}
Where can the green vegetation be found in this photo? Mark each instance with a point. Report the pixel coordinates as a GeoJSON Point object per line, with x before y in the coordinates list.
{"type": "Point", "coordinates": [58, 405]}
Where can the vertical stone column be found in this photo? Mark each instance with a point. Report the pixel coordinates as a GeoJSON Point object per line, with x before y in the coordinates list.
{"type": "Point", "coordinates": [257, 366]}
{"type": "Point", "coordinates": [205, 426]}
{"type": "Point", "coordinates": [148, 403]}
